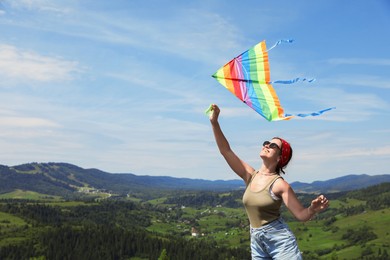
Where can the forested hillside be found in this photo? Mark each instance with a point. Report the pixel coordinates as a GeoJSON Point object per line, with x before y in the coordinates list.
{"type": "Point", "coordinates": [67, 180]}
{"type": "Point", "coordinates": [188, 225]}
{"type": "Point", "coordinates": [70, 181]}
{"type": "Point", "coordinates": [106, 230]}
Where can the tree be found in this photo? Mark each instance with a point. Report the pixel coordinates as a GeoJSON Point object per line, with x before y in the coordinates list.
{"type": "Point", "coordinates": [359, 236]}
{"type": "Point", "coordinates": [163, 255]}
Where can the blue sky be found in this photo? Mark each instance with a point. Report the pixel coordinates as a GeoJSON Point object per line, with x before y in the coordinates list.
{"type": "Point", "coordinates": [122, 85]}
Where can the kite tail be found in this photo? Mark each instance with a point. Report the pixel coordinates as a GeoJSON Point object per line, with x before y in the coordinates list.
{"type": "Point", "coordinates": [311, 114]}
{"type": "Point", "coordinates": [291, 81]}
{"type": "Point", "coordinates": [280, 42]}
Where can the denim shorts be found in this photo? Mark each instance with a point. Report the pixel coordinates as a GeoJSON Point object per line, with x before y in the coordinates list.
{"type": "Point", "coordinates": [274, 241]}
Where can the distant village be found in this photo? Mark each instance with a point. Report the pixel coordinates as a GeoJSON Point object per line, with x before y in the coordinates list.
{"type": "Point", "coordinates": [109, 194]}
{"type": "Point", "coordinates": [89, 190]}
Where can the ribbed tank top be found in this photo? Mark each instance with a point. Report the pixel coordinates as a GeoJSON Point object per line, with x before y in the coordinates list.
{"type": "Point", "coordinates": [260, 207]}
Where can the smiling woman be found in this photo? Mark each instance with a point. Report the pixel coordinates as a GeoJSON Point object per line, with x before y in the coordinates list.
{"type": "Point", "coordinates": [265, 191]}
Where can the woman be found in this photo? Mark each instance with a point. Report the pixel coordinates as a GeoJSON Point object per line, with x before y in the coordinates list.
{"type": "Point", "coordinates": [265, 191]}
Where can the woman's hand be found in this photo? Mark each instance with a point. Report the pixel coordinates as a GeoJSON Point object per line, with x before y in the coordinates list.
{"type": "Point", "coordinates": [319, 204]}
{"type": "Point", "coordinates": [215, 113]}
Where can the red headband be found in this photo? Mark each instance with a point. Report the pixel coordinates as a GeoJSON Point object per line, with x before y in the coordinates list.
{"type": "Point", "coordinates": [286, 153]}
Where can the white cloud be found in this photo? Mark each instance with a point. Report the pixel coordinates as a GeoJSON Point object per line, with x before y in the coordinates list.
{"type": "Point", "coordinates": [351, 106]}
{"type": "Point", "coordinates": [39, 5]}
{"type": "Point", "coordinates": [199, 35]}
{"type": "Point", "coordinates": [368, 81]}
{"type": "Point", "coordinates": [339, 152]}
{"type": "Point", "coordinates": [363, 151]}
{"type": "Point", "coordinates": [26, 122]}
{"type": "Point", "coordinates": [192, 34]}
{"type": "Point", "coordinates": [20, 64]}
{"type": "Point", "coordinates": [357, 61]}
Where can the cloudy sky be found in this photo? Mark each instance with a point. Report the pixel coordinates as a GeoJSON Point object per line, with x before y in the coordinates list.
{"type": "Point", "coordinates": [122, 85]}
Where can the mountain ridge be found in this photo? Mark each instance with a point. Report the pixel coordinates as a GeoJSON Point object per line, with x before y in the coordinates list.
{"type": "Point", "coordinates": [65, 179]}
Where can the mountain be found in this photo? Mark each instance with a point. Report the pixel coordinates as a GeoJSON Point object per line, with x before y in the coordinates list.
{"type": "Point", "coordinates": [345, 183]}
{"type": "Point", "coordinates": [65, 179]}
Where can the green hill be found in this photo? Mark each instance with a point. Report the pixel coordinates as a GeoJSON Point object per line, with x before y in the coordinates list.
{"type": "Point", "coordinates": [62, 179]}
{"type": "Point", "coordinates": [70, 181]}
{"type": "Point", "coordinates": [187, 225]}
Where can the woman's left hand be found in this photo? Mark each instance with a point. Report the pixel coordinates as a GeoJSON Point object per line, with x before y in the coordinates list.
{"type": "Point", "coordinates": [319, 204]}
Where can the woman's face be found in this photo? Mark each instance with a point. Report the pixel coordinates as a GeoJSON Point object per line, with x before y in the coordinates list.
{"type": "Point", "coordinates": [271, 149]}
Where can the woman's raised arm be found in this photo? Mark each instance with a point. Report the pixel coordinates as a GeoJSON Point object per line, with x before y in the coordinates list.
{"type": "Point", "coordinates": [240, 167]}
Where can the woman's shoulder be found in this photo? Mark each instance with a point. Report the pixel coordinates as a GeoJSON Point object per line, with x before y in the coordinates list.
{"type": "Point", "coordinates": [248, 177]}
{"type": "Point", "coordinates": [280, 185]}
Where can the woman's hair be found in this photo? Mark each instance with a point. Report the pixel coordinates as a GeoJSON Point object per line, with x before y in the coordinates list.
{"type": "Point", "coordinates": [286, 153]}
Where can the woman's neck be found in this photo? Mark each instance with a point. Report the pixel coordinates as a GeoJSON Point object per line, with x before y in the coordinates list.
{"type": "Point", "coordinates": [264, 170]}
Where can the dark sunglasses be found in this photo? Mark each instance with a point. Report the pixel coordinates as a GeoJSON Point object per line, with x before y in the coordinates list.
{"type": "Point", "coordinates": [271, 145]}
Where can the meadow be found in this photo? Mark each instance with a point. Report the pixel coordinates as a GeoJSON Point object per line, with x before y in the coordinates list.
{"type": "Point", "coordinates": [356, 226]}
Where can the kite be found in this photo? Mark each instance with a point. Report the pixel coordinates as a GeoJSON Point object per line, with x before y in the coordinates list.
{"type": "Point", "coordinates": [248, 77]}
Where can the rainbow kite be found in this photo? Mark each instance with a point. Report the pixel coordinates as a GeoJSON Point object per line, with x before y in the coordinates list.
{"type": "Point", "coordinates": [248, 77]}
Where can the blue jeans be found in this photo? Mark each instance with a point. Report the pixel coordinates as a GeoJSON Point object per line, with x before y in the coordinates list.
{"type": "Point", "coordinates": [274, 241]}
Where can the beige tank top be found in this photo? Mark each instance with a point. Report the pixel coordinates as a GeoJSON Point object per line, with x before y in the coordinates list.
{"type": "Point", "coordinates": [260, 207]}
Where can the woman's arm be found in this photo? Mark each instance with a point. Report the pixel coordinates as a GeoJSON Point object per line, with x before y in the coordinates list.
{"type": "Point", "coordinates": [241, 168]}
{"type": "Point", "coordinates": [284, 190]}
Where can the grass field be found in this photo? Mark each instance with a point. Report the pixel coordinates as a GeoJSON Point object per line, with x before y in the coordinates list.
{"type": "Point", "coordinates": [312, 236]}
{"type": "Point", "coordinates": [12, 226]}
{"type": "Point", "coordinates": [230, 226]}
{"type": "Point", "coordinates": [347, 203]}
{"type": "Point", "coordinates": [7, 219]}
{"type": "Point", "coordinates": [29, 195]}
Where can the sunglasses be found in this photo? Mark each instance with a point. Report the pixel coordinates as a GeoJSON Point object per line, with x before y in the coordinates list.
{"type": "Point", "coordinates": [271, 145]}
